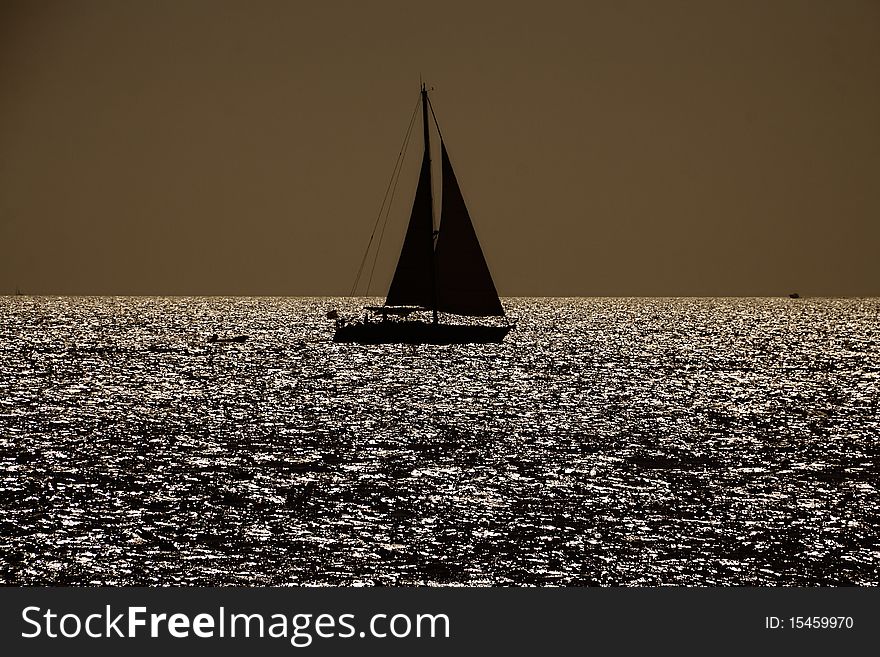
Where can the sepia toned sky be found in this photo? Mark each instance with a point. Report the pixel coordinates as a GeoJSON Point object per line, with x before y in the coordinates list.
{"type": "Point", "coordinates": [694, 147]}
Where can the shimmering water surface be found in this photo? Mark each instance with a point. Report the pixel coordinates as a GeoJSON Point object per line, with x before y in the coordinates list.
{"type": "Point", "coordinates": [607, 441]}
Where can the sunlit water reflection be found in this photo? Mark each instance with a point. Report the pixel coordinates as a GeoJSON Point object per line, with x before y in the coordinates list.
{"type": "Point", "coordinates": [607, 441]}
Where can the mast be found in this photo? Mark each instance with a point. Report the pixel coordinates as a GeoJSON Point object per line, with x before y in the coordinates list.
{"type": "Point", "coordinates": [431, 196]}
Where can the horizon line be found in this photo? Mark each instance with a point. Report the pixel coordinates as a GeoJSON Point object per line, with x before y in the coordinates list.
{"type": "Point", "coordinates": [800, 297]}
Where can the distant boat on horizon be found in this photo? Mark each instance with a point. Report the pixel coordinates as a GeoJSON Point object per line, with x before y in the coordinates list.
{"type": "Point", "coordinates": [440, 270]}
{"type": "Point", "coordinates": [794, 295]}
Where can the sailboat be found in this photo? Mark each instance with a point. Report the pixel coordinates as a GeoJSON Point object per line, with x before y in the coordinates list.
{"type": "Point", "coordinates": [438, 271]}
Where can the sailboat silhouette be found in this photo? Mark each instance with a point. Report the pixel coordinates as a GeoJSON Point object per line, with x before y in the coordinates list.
{"type": "Point", "coordinates": [440, 270]}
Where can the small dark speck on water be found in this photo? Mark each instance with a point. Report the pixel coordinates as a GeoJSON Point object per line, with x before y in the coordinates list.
{"type": "Point", "coordinates": [606, 441]}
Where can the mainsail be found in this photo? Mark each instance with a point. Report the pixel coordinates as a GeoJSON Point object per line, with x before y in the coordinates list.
{"type": "Point", "coordinates": [413, 282]}
{"type": "Point", "coordinates": [464, 284]}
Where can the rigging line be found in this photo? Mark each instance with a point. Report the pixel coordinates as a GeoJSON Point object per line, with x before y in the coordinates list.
{"type": "Point", "coordinates": [390, 203]}
{"type": "Point", "coordinates": [388, 208]}
{"type": "Point", "coordinates": [394, 173]}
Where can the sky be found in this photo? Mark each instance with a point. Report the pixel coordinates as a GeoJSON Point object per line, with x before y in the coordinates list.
{"type": "Point", "coordinates": [609, 148]}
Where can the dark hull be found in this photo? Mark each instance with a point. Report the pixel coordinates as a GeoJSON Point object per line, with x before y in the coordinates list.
{"type": "Point", "coordinates": [419, 333]}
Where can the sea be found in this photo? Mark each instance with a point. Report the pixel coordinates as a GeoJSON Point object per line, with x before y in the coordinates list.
{"type": "Point", "coordinates": [606, 441]}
